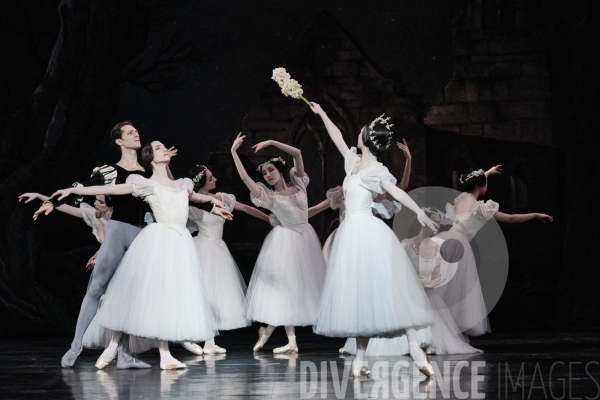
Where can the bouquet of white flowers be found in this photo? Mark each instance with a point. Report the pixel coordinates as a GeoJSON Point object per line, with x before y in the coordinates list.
{"type": "Point", "coordinates": [289, 87]}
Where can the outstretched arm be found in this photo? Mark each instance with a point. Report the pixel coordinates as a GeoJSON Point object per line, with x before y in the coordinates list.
{"type": "Point", "coordinates": [334, 131]}
{"type": "Point", "coordinates": [495, 170]}
{"type": "Point", "coordinates": [250, 184]}
{"type": "Point", "coordinates": [67, 209]}
{"type": "Point", "coordinates": [319, 208]}
{"type": "Point", "coordinates": [401, 196]}
{"type": "Point", "coordinates": [218, 206]}
{"type": "Point", "coordinates": [256, 213]}
{"type": "Point", "coordinates": [518, 218]}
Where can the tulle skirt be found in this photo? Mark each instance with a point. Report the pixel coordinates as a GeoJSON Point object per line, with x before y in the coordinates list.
{"type": "Point", "coordinates": [371, 288]}
{"type": "Point", "coordinates": [444, 335]}
{"type": "Point", "coordinates": [225, 286]}
{"type": "Point", "coordinates": [462, 294]}
{"type": "Point", "coordinates": [327, 246]}
{"type": "Point", "coordinates": [158, 290]}
{"type": "Point", "coordinates": [286, 284]}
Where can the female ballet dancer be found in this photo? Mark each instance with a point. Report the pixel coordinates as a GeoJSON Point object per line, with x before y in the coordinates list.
{"type": "Point", "coordinates": [158, 290]}
{"type": "Point", "coordinates": [383, 205]}
{"type": "Point", "coordinates": [462, 294]}
{"type": "Point", "coordinates": [371, 288]}
{"type": "Point", "coordinates": [225, 286]}
{"type": "Point", "coordinates": [285, 287]}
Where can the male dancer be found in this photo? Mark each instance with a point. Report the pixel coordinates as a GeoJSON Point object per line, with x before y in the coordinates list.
{"type": "Point", "coordinates": [126, 222]}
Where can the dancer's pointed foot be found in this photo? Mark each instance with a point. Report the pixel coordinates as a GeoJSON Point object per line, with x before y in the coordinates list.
{"type": "Point", "coordinates": [263, 337]}
{"type": "Point", "coordinates": [287, 349]}
{"type": "Point", "coordinates": [193, 348]}
{"type": "Point", "coordinates": [430, 350]}
{"type": "Point", "coordinates": [214, 349]}
{"type": "Point", "coordinates": [106, 358]}
{"type": "Point", "coordinates": [427, 370]}
{"type": "Point", "coordinates": [362, 372]}
{"type": "Point", "coordinates": [130, 362]}
{"type": "Point", "coordinates": [343, 350]}
{"type": "Point", "coordinates": [70, 357]}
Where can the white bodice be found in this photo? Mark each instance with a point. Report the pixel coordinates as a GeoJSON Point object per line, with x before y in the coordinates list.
{"type": "Point", "coordinates": [210, 226]}
{"type": "Point", "coordinates": [363, 187]}
{"type": "Point", "coordinates": [357, 199]}
{"type": "Point", "coordinates": [469, 222]}
{"type": "Point", "coordinates": [169, 205]}
{"type": "Point", "coordinates": [291, 211]}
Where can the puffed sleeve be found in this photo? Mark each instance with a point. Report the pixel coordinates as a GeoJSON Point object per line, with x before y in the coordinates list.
{"type": "Point", "coordinates": [371, 178]}
{"type": "Point", "coordinates": [265, 199]}
{"type": "Point", "coordinates": [460, 197]}
{"type": "Point", "coordinates": [89, 214]}
{"type": "Point", "coordinates": [195, 214]}
{"type": "Point", "coordinates": [302, 183]}
{"type": "Point", "coordinates": [273, 220]}
{"type": "Point", "coordinates": [228, 200]}
{"type": "Point", "coordinates": [335, 197]}
{"type": "Point", "coordinates": [488, 209]}
{"type": "Point", "coordinates": [142, 187]}
{"type": "Point", "coordinates": [350, 159]}
{"type": "Point", "coordinates": [384, 207]}
{"type": "Point", "coordinates": [189, 185]}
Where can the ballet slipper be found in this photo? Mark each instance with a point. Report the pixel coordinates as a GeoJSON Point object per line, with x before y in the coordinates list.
{"type": "Point", "coordinates": [102, 363]}
{"type": "Point", "coordinates": [261, 333]}
{"type": "Point", "coordinates": [173, 365]}
{"type": "Point", "coordinates": [287, 349]}
{"type": "Point", "coordinates": [197, 350]}
{"type": "Point", "coordinates": [214, 350]}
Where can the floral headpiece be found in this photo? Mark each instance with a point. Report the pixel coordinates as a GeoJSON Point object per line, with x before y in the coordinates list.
{"type": "Point", "coordinates": [382, 121]}
{"type": "Point", "coordinates": [275, 159]}
{"type": "Point", "coordinates": [470, 176]}
{"type": "Point", "coordinates": [200, 174]}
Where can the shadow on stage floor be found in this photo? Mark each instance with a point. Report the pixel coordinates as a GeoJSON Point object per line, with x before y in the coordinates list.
{"type": "Point", "coordinates": [556, 364]}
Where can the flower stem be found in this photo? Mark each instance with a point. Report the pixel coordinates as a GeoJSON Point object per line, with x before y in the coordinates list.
{"type": "Point", "coordinates": [306, 101]}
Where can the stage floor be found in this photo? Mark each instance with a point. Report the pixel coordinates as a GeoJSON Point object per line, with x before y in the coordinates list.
{"type": "Point", "coordinates": [555, 364]}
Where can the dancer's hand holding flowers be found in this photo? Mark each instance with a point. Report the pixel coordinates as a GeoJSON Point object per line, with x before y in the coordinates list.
{"type": "Point", "coordinates": [316, 108]}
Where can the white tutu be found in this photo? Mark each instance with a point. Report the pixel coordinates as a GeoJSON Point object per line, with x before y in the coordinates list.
{"type": "Point", "coordinates": [443, 335]}
{"type": "Point", "coordinates": [225, 286]}
{"type": "Point", "coordinates": [158, 290]}
{"type": "Point", "coordinates": [371, 288]}
{"type": "Point", "coordinates": [285, 288]}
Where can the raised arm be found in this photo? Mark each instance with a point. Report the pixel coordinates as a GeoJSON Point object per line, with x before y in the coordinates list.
{"type": "Point", "coordinates": [401, 196]}
{"type": "Point", "coordinates": [495, 170]}
{"type": "Point", "coordinates": [256, 213]}
{"type": "Point", "coordinates": [250, 184]}
{"type": "Point", "coordinates": [319, 208]}
{"type": "Point", "coordinates": [294, 152]}
{"type": "Point", "coordinates": [518, 218]}
{"type": "Point", "coordinates": [407, 164]}
{"type": "Point", "coordinates": [334, 131]}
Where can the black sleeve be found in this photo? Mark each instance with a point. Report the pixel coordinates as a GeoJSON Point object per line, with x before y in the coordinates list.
{"type": "Point", "coordinates": [96, 180]}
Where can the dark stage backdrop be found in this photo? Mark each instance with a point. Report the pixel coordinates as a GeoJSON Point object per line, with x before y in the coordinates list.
{"type": "Point", "coordinates": [187, 73]}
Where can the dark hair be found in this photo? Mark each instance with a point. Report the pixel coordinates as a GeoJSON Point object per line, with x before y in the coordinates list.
{"type": "Point", "coordinates": [429, 211]}
{"type": "Point", "coordinates": [108, 200]}
{"type": "Point", "coordinates": [467, 184]}
{"type": "Point", "coordinates": [116, 133]}
{"type": "Point", "coordinates": [148, 155]}
{"type": "Point", "coordinates": [381, 138]}
{"type": "Point", "coordinates": [277, 164]}
{"type": "Point", "coordinates": [194, 171]}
